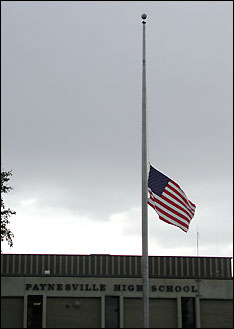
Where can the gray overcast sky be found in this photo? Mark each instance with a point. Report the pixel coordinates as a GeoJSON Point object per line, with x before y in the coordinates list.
{"type": "Point", "coordinates": [71, 122]}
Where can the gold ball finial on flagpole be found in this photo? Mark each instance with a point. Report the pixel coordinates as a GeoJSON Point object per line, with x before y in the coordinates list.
{"type": "Point", "coordinates": [143, 16]}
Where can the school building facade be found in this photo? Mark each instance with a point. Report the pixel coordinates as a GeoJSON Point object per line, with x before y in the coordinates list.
{"type": "Point", "coordinates": [105, 291]}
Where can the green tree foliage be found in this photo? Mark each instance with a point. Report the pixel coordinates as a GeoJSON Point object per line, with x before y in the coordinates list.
{"type": "Point", "coordinates": [6, 233]}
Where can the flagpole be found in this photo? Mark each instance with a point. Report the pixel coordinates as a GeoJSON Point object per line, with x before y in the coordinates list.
{"type": "Point", "coordinates": [145, 270]}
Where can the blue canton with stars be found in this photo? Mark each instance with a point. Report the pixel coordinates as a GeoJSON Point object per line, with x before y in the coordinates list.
{"type": "Point", "coordinates": [157, 181]}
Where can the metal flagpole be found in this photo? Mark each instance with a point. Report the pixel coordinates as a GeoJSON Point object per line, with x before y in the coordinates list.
{"type": "Point", "coordinates": [197, 242]}
{"type": "Point", "coordinates": [145, 270]}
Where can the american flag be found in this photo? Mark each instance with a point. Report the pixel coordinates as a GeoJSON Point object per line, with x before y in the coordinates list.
{"type": "Point", "coordinates": [169, 200]}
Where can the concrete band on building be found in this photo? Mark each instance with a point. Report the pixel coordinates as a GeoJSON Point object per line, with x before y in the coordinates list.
{"type": "Point", "coordinates": [105, 291]}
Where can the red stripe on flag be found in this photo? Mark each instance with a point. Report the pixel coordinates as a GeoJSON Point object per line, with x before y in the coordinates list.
{"type": "Point", "coordinates": [181, 226]}
{"type": "Point", "coordinates": [163, 219]}
{"type": "Point", "coordinates": [166, 214]}
{"type": "Point", "coordinates": [172, 210]}
{"type": "Point", "coordinates": [171, 217]}
{"type": "Point", "coordinates": [176, 205]}
{"type": "Point", "coordinates": [192, 204]}
{"type": "Point", "coordinates": [160, 201]}
{"type": "Point", "coordinates": [183, 205]}
{"type": "Point", "coordinates": [181, 194]}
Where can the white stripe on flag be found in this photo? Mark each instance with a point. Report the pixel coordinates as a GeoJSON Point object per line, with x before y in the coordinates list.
{"type": "Point", "coordinates": [170, 213]}
{"type": "Point", "coordinates": [171, 206]}
{"type": "Point", "coordinates": [168, 219]}
{"type": "Point", "coordinates": [183, 203]}
{"type": "Point", "coordinates": [181, 192]}
{"type": "Point", "coordinates": [167, 196]}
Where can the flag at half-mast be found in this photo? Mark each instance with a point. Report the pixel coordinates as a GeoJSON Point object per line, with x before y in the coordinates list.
{"type": "Point", "coordinates": [169, 200]}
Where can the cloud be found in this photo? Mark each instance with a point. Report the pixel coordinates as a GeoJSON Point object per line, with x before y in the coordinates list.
{"type": "Point", "coordinates": [25, 203]}
{"type": "Point", "coordinates": [71, 116]}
